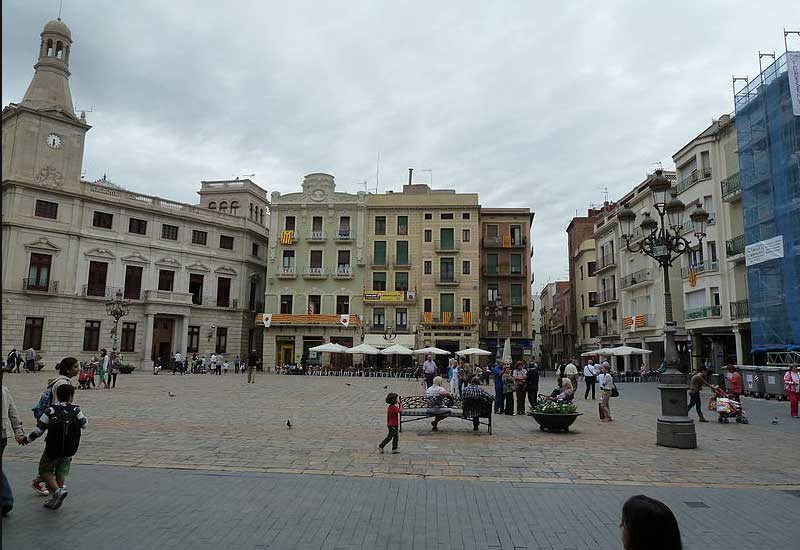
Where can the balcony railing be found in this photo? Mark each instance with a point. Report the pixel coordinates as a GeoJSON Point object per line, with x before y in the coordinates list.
{"type": "Point", "coordinates": [731, 188]}
{"type": "Point", "coordinates": [316, 236]}
{"type": "Point", "coordinates": [379, 262]}
{"type": "Point", "coordinates": [32, 285]}
{"type": "Point", "coordinates": [610, 329]}
{"type": "Point", "coordinates": [169, 296]}
{"type": "Point", "coordinates": [286, 272]}
{"type": "Point", "coordinates": [402, 262]}
{"type": "Point", "coordinates": [343, 235]}
{"type": "Point", "coordinates": [703, 312]}
{"type": "Point", "coordinates": [740, 310]}
{"type": "Point", "coordinates": [702, 267]}
{"type": "Point", "coordinates": [447, 246]}
{"type": "Point", "coordinates": [504, 242]}
{"type": "Point", "coordinates": [641, 276]}
{"type": "Point", "coordinates": [734, 246]}
{"type": "Point", "coordinates": [101, 291]}
{"type": "Point", "coordinates": [607, 260]}
{"type": "Point", "coordinates": [693, 177]}
{"type": "Point", "coordinates": [503, 271]}
{"type": "Point", "coordinates": [446, 279]}
{"type": "Point", "coordinates": [314, 273]}
{"type": "Point", "coordinates": [589, 319]}
{"type": "Point", "coordinates": [343, 272]}
{"type": "Point", "coordinates": [607, 295]}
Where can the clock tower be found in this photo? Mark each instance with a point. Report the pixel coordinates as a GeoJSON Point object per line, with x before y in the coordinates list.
{"type": "Point", "coordinates": [43, 139]}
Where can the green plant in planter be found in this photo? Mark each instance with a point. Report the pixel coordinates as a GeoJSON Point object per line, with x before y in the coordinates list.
{"type": "Point", "coordinates": [126, 368]}
{"type": "Point", "coordinates": [554, 407]}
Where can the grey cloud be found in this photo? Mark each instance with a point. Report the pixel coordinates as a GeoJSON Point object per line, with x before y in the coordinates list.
{"type": "Point", "coordinates": [529, 104]}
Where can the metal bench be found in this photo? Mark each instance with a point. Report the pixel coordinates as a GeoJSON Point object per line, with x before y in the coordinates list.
{"type": "Point", "coordinates": [419, 407]}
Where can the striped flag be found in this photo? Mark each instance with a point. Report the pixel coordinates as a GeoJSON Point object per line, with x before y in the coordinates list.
{"type": "Point", "coordinates": [628, 321]}
{"type": "Point", "coordinates": [692, 275]}
{"type": "Point", "coordinates": [467, 317]}
{"type": "Point", "coordinates": [447, 316]}
{"type": "Point", "coordinates": [506, 241]}
{"type": "Point", "coordinates": [287, 237]}
{"type": "Point", "coordinates": [639, 320]}
{"type": "Point", "coordinates": [427, 317]}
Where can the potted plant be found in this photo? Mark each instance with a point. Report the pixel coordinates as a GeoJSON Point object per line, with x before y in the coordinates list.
{"type": "Point", "coordinates": [554, 415]}
{"type": "Point", "coordinates": [126, 368]}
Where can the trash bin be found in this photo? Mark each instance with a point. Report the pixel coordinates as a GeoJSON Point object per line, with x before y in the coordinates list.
{"type": "Point", "coordinates": [752, 380]}
{"type": "Point", "coordinates": [773, 382]}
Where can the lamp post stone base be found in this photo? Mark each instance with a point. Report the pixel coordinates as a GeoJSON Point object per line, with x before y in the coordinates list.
{"type": "Point", "coordinates": [675, 428]}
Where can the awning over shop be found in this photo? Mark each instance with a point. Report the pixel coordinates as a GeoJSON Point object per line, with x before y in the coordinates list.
{"type": "Point", "coordinates": [378, 341]}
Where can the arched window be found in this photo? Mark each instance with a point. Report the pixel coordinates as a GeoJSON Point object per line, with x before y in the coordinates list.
{"type": "Point", "coordinates": [212, 205]}
{"type": "Point", "coordinates": [223, 206]}
{"type": "Point", "coordinates": [234, 207]}
{"type": "Point", "coordinates": [49, 47]}
{"type": "Point", "coordinates": [59, 50]}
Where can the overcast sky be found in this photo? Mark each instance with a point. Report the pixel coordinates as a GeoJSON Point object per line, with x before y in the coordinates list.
{"type": "Point", "coordinates": [530, 104]}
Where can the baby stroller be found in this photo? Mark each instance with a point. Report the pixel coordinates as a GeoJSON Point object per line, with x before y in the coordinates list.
{"type": "Point", "coordinates": [84, 377]}
{"type": "Point", "coordinates": [726, 408]}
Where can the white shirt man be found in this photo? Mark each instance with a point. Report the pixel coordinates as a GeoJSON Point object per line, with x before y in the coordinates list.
{"type": "Point", "coordinates": [589, 371]}
{"type": "Point", "coordinates": [213, 360]}
{"type": "Point", "coordinates": [429, 367]}
{"type": "Point", "coordinates": [570, 371]}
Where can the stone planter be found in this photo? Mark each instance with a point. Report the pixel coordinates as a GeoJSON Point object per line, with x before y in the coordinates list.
{"type": "Point", "coordinates": [555, 422]}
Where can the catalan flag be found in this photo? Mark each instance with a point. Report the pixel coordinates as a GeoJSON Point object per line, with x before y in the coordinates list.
{"type": "Point", "coordinates": [427, 317]}
{"type": "Point", "coordinates": [639, 320]}
{"type": "Point", "coordinates": [506, 241]}
{"type": "Point", "coordinates": [287, 237]}
{"type": "Point", "coordinates": [447, 316]}
{"type": "Point", "coordinates": [467, 317]}
{"type": "Point", "coordinates": [628, 321]}
{"type": "Point", "coordinates": [692, 275]}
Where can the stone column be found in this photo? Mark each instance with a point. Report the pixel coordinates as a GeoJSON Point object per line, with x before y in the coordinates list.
{"type": "Point", "coordinates": [298, 348]}
{"type": "Point", "coordinates": [737, 335]}
{"type": "Point", "coordinates": [183, 334]}
{"type": "Point", "coordinates": [147, 360]}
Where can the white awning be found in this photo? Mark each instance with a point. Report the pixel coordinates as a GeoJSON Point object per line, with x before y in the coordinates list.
{"type": "Point", "coordinates": [378, 341]}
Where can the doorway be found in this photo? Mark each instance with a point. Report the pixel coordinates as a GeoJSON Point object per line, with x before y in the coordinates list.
{"type": "Point", "coordinates": [284, 351]}
{"type": "Point", "coordinates": [162, 339]}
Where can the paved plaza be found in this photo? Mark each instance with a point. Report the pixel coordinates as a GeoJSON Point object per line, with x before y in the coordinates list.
{"type": "Point", "coordinates": [216, 466]}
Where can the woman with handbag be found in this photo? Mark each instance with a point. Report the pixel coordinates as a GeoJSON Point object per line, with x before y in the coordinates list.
{"type": "Point", "coordinates": [606, 387]}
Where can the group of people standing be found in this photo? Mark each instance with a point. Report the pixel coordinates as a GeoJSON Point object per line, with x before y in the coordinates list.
{"type": "Point", "coordinates": [106, 368]}
{"type": "Point", "coordinates": [214, 364]}
{"type": "Point", "coordinates": [522, 381]}
{"type": "Point", "coordinates": [14, 359]}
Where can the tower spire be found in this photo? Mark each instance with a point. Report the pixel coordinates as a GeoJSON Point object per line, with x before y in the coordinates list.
{"type": "Point", "coordinates": [49, 89]}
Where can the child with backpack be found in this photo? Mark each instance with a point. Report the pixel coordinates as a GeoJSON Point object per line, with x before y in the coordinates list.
{"type": "Point", "coordinates": [63, 422]}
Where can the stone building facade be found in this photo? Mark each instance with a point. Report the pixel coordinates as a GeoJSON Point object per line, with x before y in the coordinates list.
{"type": "Point", "coordinates": [506, 281]}
{"type": "Point", "coordinates": [315, 271]}
{"type": "Point", "coordinates": [193, 276]}
{"type": "Point", "coordinates": [437, 270]}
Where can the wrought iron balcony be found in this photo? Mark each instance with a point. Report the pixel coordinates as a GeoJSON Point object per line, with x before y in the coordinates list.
{"type": "Point", "coordinates": [447, 246]}
{"type": "Point", "coordinates": [606, 296]}
{"type": "Point", "coordinates": [504, 242]}
{"type": "Point", "coordinates": [446, 279]}
{"type": "Point", "coordinates": [314, 273]}
{"type": "Point", "coordinates": [641, 276]}
{"type": "Point", "coordinates": [703, 312]}
{"type": "Point", "coordinates": [731, 188]}
{"type": "Point", "coordinates": [316, 236]}
{"type": "Point", "coordinates": [702, 267]}
{"type": "Point", "coordinates": [641, 321]}
{"type": "Point", "coordinates": [610, 329]}
{"type": "Point", "coordinates": [380, 262]}
{"type": "Point", "coordinates": [343, 272]}
{"type": "Point", "coordinates": [402, 262]}
{"type": "Point", "coordinates": [32, 285]}
{"type": "Point", "coordinates": [343, 235]}
{"type": "Point", "coordinates": [734, 246]}
{"type": "Point", "coordinates": [740, 310]}
{"type": "Point", "coordinates": [605, 261]}
{"type": "Point", "coordinates": [693, 177]}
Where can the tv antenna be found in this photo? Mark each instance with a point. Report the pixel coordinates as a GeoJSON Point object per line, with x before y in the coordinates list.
{"type": "Point", "coordinates": [244, 176]}
{"type": "Point", "coordinates": [367, 188]}
{"type": "Point", "coordinates": [605, 193]}
{"type": "Point", "coordinates": [60, 5]}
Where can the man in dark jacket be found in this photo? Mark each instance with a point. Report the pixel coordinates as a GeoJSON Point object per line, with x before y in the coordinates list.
{"type": "Point", "coordinates": [252, 362]}
{"type": "Point", "coordinates": [533, 383]}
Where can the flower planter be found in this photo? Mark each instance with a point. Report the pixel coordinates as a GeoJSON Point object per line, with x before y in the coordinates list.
{"type": "Point", "coordinates": [555, 422]}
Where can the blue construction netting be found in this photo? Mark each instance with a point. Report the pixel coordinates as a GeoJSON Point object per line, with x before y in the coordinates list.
{"type": "Point", "coordinates": [769, 163]}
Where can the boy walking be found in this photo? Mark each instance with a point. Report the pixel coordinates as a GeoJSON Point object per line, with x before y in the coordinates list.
{"type": "Point", "coordinates": [63, 422]}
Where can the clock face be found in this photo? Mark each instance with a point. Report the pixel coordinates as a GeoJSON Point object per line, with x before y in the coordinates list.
{"type": "Point", "coordinates": [54, 141]}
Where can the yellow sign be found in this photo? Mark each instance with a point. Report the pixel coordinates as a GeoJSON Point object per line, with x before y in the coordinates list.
{"type": "Point", "coordinates": [384, 296]}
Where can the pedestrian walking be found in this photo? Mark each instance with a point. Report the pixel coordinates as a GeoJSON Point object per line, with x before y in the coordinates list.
{"type": "Point", "coordinates": [532, 383]}
{"type": "Point", "coordinates": [13, 360]}
{"type": "Point", "coordinates": [648, 524]}
{"type": "Point", "coordinates": [12, 425]}
{"type": "Point", "coordinates": [791, 381]}
{"type": "Point", "coordinates": [178, 362]}
{"type": "Point", "coordinates": [392, 424]}
{"type": "Point", "coordinates": [508, 390]}
{"type": "Point", "coordinates": [237, 363]}
{"type": "Point", "coordinates": [220, 361]}
{"type": "Point", "coordinates": [63, 422]}
{"type": "Point", "coordinates": [429, 370]}
{"type": "Point", "coordinates": [67, 370]}
{"type": "Point", "coordinates": [114, 365]}
{"type": "Point", "coordinates": [571, 372]}
{"type": "Point", "coordinates": [499, 401]}
{"type": "Point", "coordinates": [695, 386]}
{"type": "Point", "coordinates": [30, 360]}
{"type": "Point", "coordinates": [520, 376]}
{"type": "Point", "coordinates": [252, 363]}
{"type": "Point", "coordinates": [225, 367]}
{"type": "Point", "coordinates": [606, 387]}
{"type": "Point", "coordinates": [589, 378]}
{"type": "Point", "coordinates": [105, 367]}
{"type": "Point", "coordinates": [734, 382]}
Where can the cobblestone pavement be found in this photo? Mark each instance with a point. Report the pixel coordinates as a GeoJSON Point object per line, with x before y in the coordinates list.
{"type": "Point", "coordinates": [144, 509]}
{"type": "Point", "coordinates": [222, 423]}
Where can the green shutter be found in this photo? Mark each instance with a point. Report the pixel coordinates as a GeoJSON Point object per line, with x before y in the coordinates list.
{"type": "Point", "coordinates": [447, 239]}
{"type": "Point", "coordinates": [516, 263]}
{"type": "Point", "coordinates": [402, 253]}
{"type": "Point", "coordinates": [379, 252]}
{"type": "Point", "coordinates": [447, 303]}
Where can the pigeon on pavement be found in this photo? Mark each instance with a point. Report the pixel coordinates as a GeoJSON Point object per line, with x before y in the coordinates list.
{"type": "Point", "coordinates": [289, 424]}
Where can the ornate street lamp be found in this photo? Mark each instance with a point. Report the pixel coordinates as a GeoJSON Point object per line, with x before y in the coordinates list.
{"type": "Point", "coordinates": [662, 241]}
{"type": "Point", "coordinates": [117, 308]}
{"type": "Point", "coordinates": [497, 312]}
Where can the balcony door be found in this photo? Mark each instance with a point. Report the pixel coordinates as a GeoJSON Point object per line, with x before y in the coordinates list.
{"type": "Point", "coordinates": [98, 273]}
{"type": "Point", "coordinates": [39, 272]}
{"type": "Point", "coordinates": [447, 238]}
